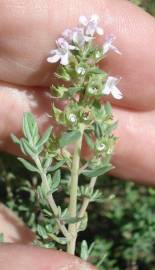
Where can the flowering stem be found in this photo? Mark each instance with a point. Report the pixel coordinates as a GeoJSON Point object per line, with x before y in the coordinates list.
{"type": "Point", "coordinates": [50, 197]}
{"type": "Point", "coordinates": [73, 192]}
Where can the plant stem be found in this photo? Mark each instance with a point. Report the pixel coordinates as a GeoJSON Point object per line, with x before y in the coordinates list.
{"type": "Point", "coordinates": [50, 197]}
{"type": "Point", "coordinates": [73, 192]}
{"type": "Point", "coordinates": [86, 201]}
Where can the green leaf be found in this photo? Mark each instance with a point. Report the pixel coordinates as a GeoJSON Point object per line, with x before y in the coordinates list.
{"type": "Point", "coordinates": [71, 220]}
{"type": "Point", "coordinates": [15, 139]}
{"type": "Point", "coordinates": [59, 91]}
{"type": "Point", "coordinates": [63, 74]}
{"type": "Point", "coordinates": [42, 232]}
{"type": "Point", "coordinates": [57, 166]}
{"type": "Point", "coordinates": [98, 171]}
{"type": "Point", "coordinates": [69, 138]}
{"type": "Point", "coordinates": [89, 141]}
{"type": "Point", "coordinates": [74, 90]}
{"type": "Point", "coordinates": [96, 70]}
{"type": "Point", "coordinates": [57, 113]}
{"type": "Point", "coordinates": [45, 137]}
{"type": "Point", "coordinates": [30, 127]}
{"type": "Point", "coordinates": [59, 240]}
{"type": "Point", "coordinates": [47, 161]}
{"type": "Point", "coordinates": [98, 130]}
{"type": "Point", "coordinates": [56, 180]}
{"type": "Point", "coordinates": [84, 254]}
{"type": "Point", "coordinates": [27, 147]}
{"type": "Point", "coordinates": [108, 108]}
{"type": "Point", "coordinates": [83, 223]}
{"type": "Point", "coordinates": [28, 165]}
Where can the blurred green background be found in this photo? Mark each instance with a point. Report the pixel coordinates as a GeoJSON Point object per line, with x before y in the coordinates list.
{"type": "Point", "coordinates": [148, 5]}
{"type": "Point", "coordinates": [123, 228]}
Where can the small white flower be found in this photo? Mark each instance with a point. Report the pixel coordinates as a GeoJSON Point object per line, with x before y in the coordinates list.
{"type": "Point", "coordinates": [92, 90]}
{"type": "Point", "coordinates": [91, 26]}
{"type": "Point", "coordinates": [62, 53]}
{"type": "Point", "coordinates": [111, 88]}
{"type": "Point", "coordinates": [72, 118]}
{"type": "Point", "coordinates": [109, 46]}
{"type": "Point", "coordinates": [101, 147]}
{"type": "Point", "coordinates": [80, 70]}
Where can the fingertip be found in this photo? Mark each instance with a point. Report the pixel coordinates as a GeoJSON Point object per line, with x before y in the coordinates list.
{"type": "Point", "coordinates": [17, 257]}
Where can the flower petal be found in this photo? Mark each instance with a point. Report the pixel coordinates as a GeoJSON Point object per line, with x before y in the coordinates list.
{"type": "Point", "coordinates": [65, 59]}
{"type": "Point", "coordinates": [110, 83]}
{"type": "Point", "coordinates": [100, 31]}
{"type": "Point", "coordinates": [94, 18]}
{"type": "Point", "coordinates": [115, 49]}
{"type": "Point", "coordinates": [83, 20]}
{"type": "Point", "coordinates": [116, 93]}
{"type": "Point", "coordinates": [53, 59]}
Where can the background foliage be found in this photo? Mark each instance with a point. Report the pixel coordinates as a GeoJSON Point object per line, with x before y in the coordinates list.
{"type": "Point", "coordinates": [122, 228]}
{"type": "Point", "coordinates": [148, 5]}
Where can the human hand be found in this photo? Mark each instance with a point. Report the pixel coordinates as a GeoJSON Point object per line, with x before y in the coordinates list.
{"type": "Point", "coordinates": [27, 33]}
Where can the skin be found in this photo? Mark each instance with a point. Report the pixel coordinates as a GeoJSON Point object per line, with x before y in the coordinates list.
{"type": "Point", "coordinates": [28, 30]}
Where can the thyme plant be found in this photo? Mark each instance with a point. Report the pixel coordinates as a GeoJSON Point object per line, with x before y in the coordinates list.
{"type": "Point", "coordinates": [85, 117]}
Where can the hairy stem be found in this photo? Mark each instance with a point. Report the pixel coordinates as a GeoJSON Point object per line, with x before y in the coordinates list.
{"type": "Point", "coordinates": [50, 197]}
{"type": "Point", "coordinates": [73, 193]}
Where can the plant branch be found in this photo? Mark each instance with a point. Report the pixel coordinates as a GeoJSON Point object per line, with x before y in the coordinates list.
{"type": "Point", "coordinates": [73, 192]}
{"type": "Point", "coordinates": [50, 198]}
{"type": "Point", "coordinates": [86, 201]}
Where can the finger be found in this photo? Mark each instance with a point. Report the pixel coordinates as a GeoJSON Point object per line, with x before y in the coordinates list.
{"type": "Point", "coordinates": [134, 153]}
{"type": "Point", "coordinates": [13, 228]}
{"type": "Point", "coordinates": [28, 32]}
{"type": "Point", "coordinates": [17, 100]}
{"type": "Point", "coordinates": [17, 257]}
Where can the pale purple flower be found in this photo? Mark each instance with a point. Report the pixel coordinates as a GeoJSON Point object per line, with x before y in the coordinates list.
{"type": "Point", "coordinates": [62, 52]}
{"type": "Point", "coordinates": [76, 35]}
{"type": "Point", "coordinates": [109, 46]}
{"type": "Point", "coordinates": [91, 25]}
{"type": "Point", "coordinates": [111, 88]}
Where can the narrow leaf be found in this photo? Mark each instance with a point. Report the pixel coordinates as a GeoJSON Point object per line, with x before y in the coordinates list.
{"type": "Point", "coordinates": [42, 232]}
{"type": "Point", "coordinates": [27, 148]}
{"type": "Point", "coordinates": [28, 165]}
{"type": "Point", "coordinates": [71, 220]}
{"type": "Point", "coordinates": [89, 141]}
{"type": "Point", "coordinates": [47, 161]}
{"type": "Point", "coordinates": [69, 138]}
{"type": "Point", "coordinates": [45, 137]}
{"type": "Point", "coordinates": [56, 180]}
{"type": "Point", "coordinates": [98, 171]}
{"type": "Point", "coordinates": [15, 139]}
{"type": "Point", "coordinates": [84, 250]}
{"type": "Point", "coordinates": [73, 90]}
{"type": "Point", "coordinates": [108, 108]}
{"type": "Point", "coordinates": [57, 166]}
